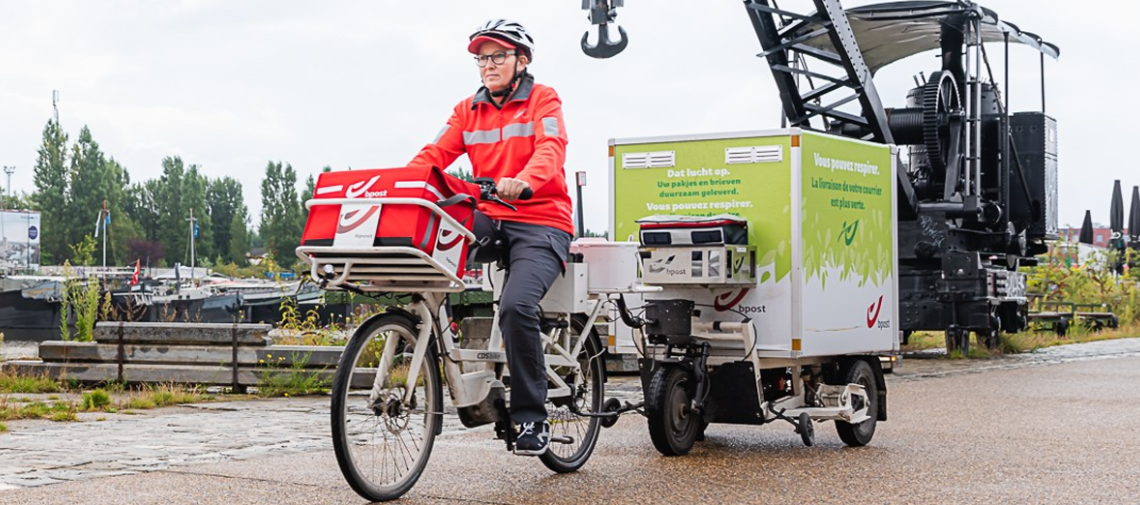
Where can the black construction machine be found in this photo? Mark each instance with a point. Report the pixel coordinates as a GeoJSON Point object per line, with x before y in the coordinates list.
{"type": "Point", "coordinates": [978, 198]}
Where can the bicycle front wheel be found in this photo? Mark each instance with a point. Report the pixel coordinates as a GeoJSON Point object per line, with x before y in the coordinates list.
{"type": "Point", "coordinates": [383, 442]}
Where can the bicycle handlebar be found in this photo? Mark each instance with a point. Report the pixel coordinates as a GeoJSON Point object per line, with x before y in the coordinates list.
{"type": "Point", "coordinates": [489, 192]}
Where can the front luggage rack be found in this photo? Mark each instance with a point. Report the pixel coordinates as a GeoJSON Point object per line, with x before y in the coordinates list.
{"type": "Point", "coordinates": [382, 268]}
{"type": "Point", "coordinates": [379, 269]}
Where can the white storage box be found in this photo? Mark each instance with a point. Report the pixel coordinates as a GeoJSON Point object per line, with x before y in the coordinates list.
{"type": "Point", "coordinates": [613, 265]}
{"type": "Point", "coordinates": [708, 266]}
{"type": "Point", "coordinates": [567, 294]}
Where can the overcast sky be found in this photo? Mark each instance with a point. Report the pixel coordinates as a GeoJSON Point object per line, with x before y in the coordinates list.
{"type": "Point", "coordinates": [231, 85]}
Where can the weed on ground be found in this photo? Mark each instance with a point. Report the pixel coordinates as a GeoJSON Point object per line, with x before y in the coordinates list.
{"type": "Point", "coordinates": [293, 380]}
{"type": "Point", "coordinates": [11, 383]}
{"type": "Point", "coordinates": [1016, 343]}
{"type": "Point", "coordinates": [100, 400]}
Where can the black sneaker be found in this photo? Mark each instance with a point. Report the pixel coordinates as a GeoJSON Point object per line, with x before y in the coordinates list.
{"type": "Point", "coordinates": [533, 439]}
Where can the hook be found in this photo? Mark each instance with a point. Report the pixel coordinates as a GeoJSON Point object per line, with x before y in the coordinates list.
{"type": "Point", "coordinates": [602, 14]}
{"type": "Point", "coordinates": [605, 48]}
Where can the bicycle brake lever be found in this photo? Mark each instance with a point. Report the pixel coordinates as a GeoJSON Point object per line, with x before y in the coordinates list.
{"type": "Point", "coordinates": [504, 204]}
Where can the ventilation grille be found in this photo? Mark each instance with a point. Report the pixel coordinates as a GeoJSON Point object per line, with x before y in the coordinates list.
{"type": "Point", "coordinates": [659, 159]}
{"type": "Point", "coordinates": [765, 154]}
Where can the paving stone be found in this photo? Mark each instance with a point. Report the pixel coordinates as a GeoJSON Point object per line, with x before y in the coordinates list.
{"type": "Point", "coordinates": [39, 453]}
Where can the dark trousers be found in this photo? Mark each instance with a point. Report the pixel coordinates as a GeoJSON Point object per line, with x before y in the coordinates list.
{"type": "Point", "coordinates": [535, 256]}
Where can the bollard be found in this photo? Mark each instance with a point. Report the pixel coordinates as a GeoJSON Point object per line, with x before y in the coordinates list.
{"type": "Point", "coordinates": [122, 354]}
{"type": "Point", "coordinates": [234, 360]}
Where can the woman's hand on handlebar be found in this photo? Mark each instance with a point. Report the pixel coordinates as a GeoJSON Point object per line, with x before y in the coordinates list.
{"type": "Point", "coordinates": [489, 191]}
{"type": "Point", "coordinates": [513, 189]}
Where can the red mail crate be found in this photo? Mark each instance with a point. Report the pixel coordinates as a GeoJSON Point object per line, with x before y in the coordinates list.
{"type": "Point", "coordinates": [370, 224]}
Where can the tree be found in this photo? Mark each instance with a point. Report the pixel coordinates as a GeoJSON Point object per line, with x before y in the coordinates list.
{"type": "Point", "coordinates": [239, 237]}
{"type": "Point", "coordinates": [95, 182]}
{"type": "Point", "coordinates": [194, 188]}
{"type": "Point", "coordinates": [148, 252]}
{"type": "Point", "coordinates": [310, 190]}
{"type": "Point", "coordinates": [18, 201]}
{"type": "Point", "coordinates": [464, 174]}
{"type": "Point", "coordinates": [142, 207]}
{"type": "Point", "coordinates": [225, 200]}
{"type": "Point", "coordinates": [51, 193]}
{"type": "Point", "coordinates": [123, 227]}
{"type": "Point", "coordinates": [280, 213]}
{"type": "Point", "coordinates": [83, 251]}
{"type": "Point", "coordinates": [172, 227]}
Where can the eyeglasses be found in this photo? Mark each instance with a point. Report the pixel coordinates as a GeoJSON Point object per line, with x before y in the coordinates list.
{"type": "Point", "coordinates": [496, 58]}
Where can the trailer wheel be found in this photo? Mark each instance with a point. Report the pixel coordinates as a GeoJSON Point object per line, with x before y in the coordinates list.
{"type": "Point", "coordinates": [859, 372]}
{"type": "Point", "coordinates": [673, 425]}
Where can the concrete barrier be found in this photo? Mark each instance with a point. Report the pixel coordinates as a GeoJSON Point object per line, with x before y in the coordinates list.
{"type": "Point", "coordinates": [183, 333]}
{"type": "Point", "coordinates": [237, 355]}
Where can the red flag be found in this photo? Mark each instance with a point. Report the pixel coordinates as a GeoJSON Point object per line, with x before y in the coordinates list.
{"type": "Point", "coordinates": [135, 278]}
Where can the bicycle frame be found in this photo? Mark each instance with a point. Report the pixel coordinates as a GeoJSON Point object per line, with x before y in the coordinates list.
{"type": "Point", "coordinates": [472, 387]}
{"type": "Point", "coordinates": [385, 269]}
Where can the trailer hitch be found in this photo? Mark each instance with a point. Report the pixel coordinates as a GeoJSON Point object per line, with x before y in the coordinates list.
{"type": "Point", "coordinates": [611, 410]}
{"type": "Point", "coordinates": [603, 12]}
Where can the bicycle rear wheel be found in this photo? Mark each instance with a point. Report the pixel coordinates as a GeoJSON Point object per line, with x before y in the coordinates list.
{"type": "Point", "coordinates": [383, 444]}
{"type": "Point", "coordinates": [588, 395]}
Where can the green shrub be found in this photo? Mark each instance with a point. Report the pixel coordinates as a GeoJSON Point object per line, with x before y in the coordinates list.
{"type": "Point", "coordinates": [96, 399]}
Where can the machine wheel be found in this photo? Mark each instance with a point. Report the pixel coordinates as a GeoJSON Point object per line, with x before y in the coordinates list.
{"type": "Point", "coordinates": [991, 339]}
{"type": "Point", "coordinates": [673, 425]}
{"type": "Point", "coordinates": [859, 372]}
{"type": "Point", "coordinates": [939, 99]}
{"type": "Point", "coordinates": [1061, 327]}
{"type": "Point", "coordinates": [958, 340]}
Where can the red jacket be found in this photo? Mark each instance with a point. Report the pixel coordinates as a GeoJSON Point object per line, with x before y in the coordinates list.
{"type": "Point", "coordinates": [525, 139]}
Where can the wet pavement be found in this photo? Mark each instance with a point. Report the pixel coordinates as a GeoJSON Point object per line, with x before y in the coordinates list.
{"type": "Point", "coordinates": [1056, 426]}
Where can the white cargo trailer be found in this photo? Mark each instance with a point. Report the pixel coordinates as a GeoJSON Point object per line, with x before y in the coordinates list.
{"type": "Point", "coordinates": [785, 321]}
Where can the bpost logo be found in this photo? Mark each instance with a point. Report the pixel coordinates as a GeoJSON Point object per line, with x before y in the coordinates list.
{"type": "Point", "coordinates": [448, 239]}
{"type": "Point", "coordinates": [847, 234]}
{"type": "Point", "coordinates": [445, 244]}
{"type": "Point", "coordinates": [360, 188]}
{"type": "Point", "coordinates": [729, 300]}
{"type": "Point", "coordinates": [737, 265]}
{"type": "Point", "coordinates": [662, 265]}
{"type": "Point", "coordinates": [873, 315]}
{"type": "Point", "coordinates": [354, 218]}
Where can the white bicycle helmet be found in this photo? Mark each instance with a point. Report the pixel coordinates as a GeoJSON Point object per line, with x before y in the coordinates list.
{"type": "Point", "coordinates": [503, 31]}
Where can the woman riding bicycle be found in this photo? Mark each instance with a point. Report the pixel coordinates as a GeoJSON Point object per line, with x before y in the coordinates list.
{"type": "Point", "coordinates": [512, 131]}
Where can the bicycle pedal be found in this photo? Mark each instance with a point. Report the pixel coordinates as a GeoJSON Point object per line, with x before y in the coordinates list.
{"type": "Point", "coordinates": [562, 439]}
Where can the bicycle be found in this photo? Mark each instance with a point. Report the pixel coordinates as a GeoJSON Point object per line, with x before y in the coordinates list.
{"type": "Point", "coordinates": [387, 395]}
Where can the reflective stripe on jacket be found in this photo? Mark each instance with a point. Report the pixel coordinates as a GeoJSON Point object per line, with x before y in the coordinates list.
{"type": "Point", "coordinates": [525, 139]}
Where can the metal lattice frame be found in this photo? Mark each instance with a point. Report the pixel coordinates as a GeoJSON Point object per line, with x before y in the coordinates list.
{"type": "Point", "coordinates": [788, 57]}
